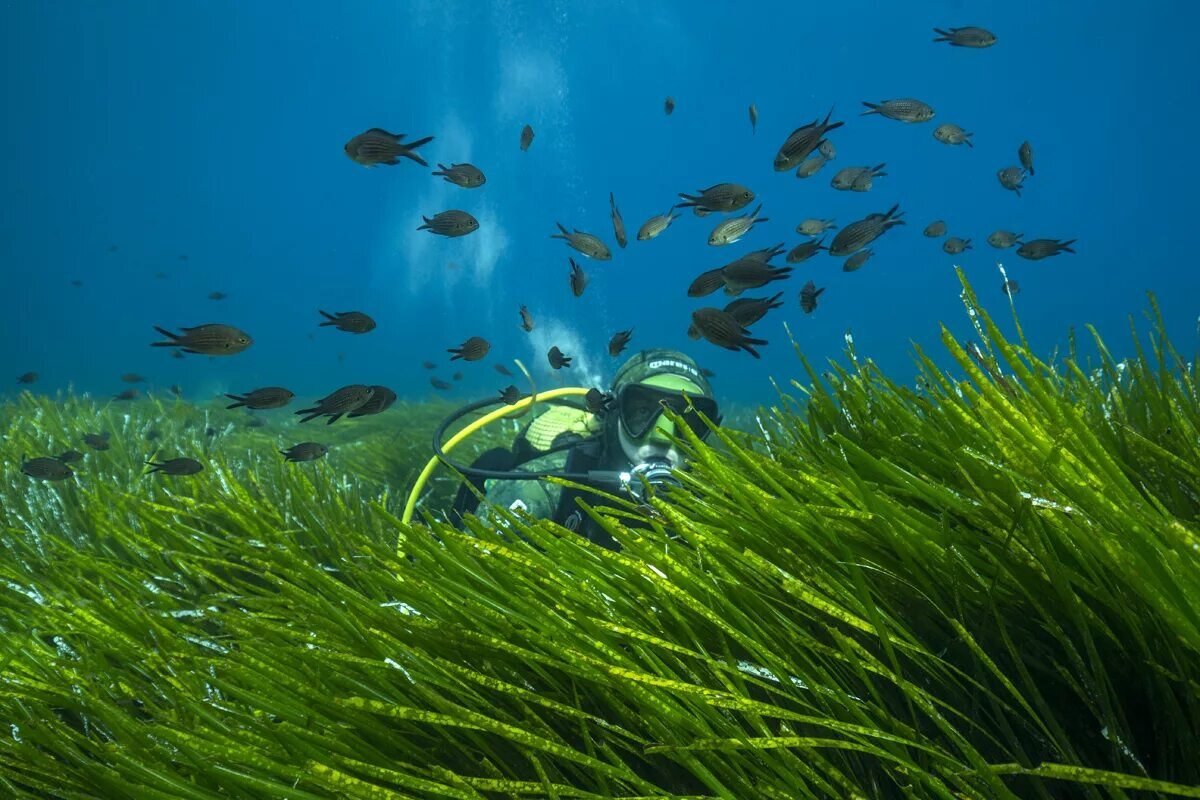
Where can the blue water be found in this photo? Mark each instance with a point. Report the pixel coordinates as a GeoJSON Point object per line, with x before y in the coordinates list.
{"type": "Point", "coordinates": [215, 130]}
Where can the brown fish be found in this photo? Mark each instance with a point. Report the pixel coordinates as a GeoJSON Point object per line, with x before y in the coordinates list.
{"type": "Point", "coordinates": [97, 441]}
{"type": "Point", "coordinates": [802, 142]}
{"type": "Point", "coordinates": [859, 234]}
{"type": "Point", "coordinates": [262, 399]}
{"type": "Point", "coordinates": [1011, 178]}
{"type": "Point", "coordinates": [578, 279]}
{"type": "Point", "coordinates": [377, 146]}
{"type": "Point", "coordinates": [27, 378]}
{"type": "Point", "coordinates": [827, 149]}
{"type": "Point", "coordinates": [722, 329]}
{"type": "Point", "coordinates": [557, 359]}
{"type": "Point", "coordinates": [1025, 155]}
{"type": "Point", "coordinates": [708, 373]}
{"type": "Point", "coordinates": [707, 283]}
{"type": "Point", "coordinates": [805, 250]}
{"type": "Point", "coordinates": [438, 383]}
{"type": "Point", "coordinates": [304, 451]}
{"type": "Point", "coordinates": [856, 261]}
{"type": "Point", "coordinates": [348, 321]}
{"type": "Point", "coordinates": [1010, 287]}
{"type": "Point", "coordinates": [669, 105]}
{"type": "Point", "coordinates": [753, 118]}
{"type": "Point", "coordinates": [808, 297]}
{"type": "Point", "coordinates": [619, 341]}
{"type": "Point", "coordinates": [950, 133]}
{"type": "Point", "coordinates": [44, 468]}
{"type": "Point", "coordinates": [526, 137]}
{"type": "Point", "coordinates": [175, 389]}
{"type": "Point", "coordinates": [903, 109]}
{"type": "Point", "coordinates": [175, 466]}
{"type": "Point", "coordinates": [503, 370]}
{"type": "Point", "coordinates": [857, 179]}
{"type": "Point", "coordinates": [935, 229]}
{"type": "Point", "coordinates": [814, 227]}
{"type": "Point", "coordinates": [749, 310]}
{"type": "Point", "coordinates": [954, 245]}
{"type": "Point", "coordinates": [766, 254]}
{"type": "Point", "coordinates": [597, 401]}
{"type": "Point", "coordinates": [1038, 249]}
{"type": "Point", "coordinates": [69, 456]}
{"type": "Point", "coordinates": [217, 295]}
{"type": "Point", "coordinates": [746, 273]}
{"type": "Point", "coordinates": [526, 320]}
{"type": "Point", "coordinates": [510, 395]}
{"type": "Point", "coordinates": [810, 166]}
{"type": "Point", "coordinates": [1002, 240]}
{"type": "Point", "coordinates": [132, 377]}
{"type": "Point", "coordinates": [343, 401]}
{"type": "Point", "coordinates": [655, 225]}
{"type": "Point", "coordinates": [467, 176]}
{"type": "Point", "coordinates": [966, 37]}
{"type": "Point", "coordinates": [473, 349]}
{"type": "Point", "coordinates": [450, 223]}
{"type": "Point", "coordinates": [723, 197]}
{"type": "Point", "coordinates": [381, 400]}
{"type": "Point", "coordinates": [585, 243]}
{"type": "Point", "coordinates": [428, 365]}
{"type": "Point", "coordinates": [458, 376]}
{"type": "Point", "coordinates": [618, 223]}
{"type": "Point", "coordinates": [212, 339]}
{"type": "Point", "coordinates": [176, 354]}
{"type": "Point", "coordinates": [128, 394]}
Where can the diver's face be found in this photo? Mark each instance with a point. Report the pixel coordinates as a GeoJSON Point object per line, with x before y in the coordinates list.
{"type": "Point", "coordinates": [655, 445]}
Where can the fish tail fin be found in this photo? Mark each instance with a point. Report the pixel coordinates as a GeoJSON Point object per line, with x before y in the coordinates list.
{"type": "Point", "coordinates": [1065, 247]}
{"type": "Point", "coordinates": [239, 401]}
{"type": "Point", "coordinates": [312, 413]}
{"type": "Point", "coordinates": [333, 418]}
{"type": "Point", "coordinates": [332, 320]}
{"type": "Point", "coordinates": [747, 341]}
{"type": "Point", "coordinates": [564, 232]}
{"type": "Point", "coordinates": [174, 338]}
{"type": "Point", "coordinates": [441, 170]}
{"type": "Point", "coordinates": [457, 351]}
{"type": "Point", "coordinates": [154, 467]}
{"type": "Point", "coordinates": [942, 36]}
{"type": "Point", "coordinates": [877, 170]}
{"type": "Point", "coordinates": [873, 108]}
{"type": "Point", "coordinates": [826, 127]}
{"type": "Point", "coordinates": [967, 141]}
{"type": "Point", "coordinates": [428, 224]}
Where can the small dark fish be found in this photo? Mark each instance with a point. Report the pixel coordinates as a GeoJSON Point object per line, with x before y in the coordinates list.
{"type": "Point", "coordinates": [438, 383]}
{"type": "Point", "coordinates": [802, 141]}
{"type": "Point", "coordinates": [526, 137]}
{"type": "Point", "coordinates": [468, 176]}
{"type": "Point", "coordinates": [1011, 178]}
{"type": "Point", "coordinates": [175, 466]}
{"type": "Point", "coordinates": [210, 431]}
{"type": "Point", "coordinates": [766, 254]}
{"type": "Point", "coordinates": [811, 166]}
{"type": "Point", "coordinates": [381, 400]}
{"type": "Point", "coordinates": [954, 245]}
{"type": "Point", "coordinates": [950, 133]}
{"type": "Point", "coordinates": [827, 149]}
{"type": "Point", "coordinates": [904, 109]}
{"type": "Point", "coordinates": [707, 283]}
{"type": "Point", "coordinates": [428, 365]}
{"type": "Point", "coordinates": [348, 321]}
{"type": "Point", "coordinates": [217, 295]}
{"type": "Point", "coordinates": [377, 146]}
{"type": "Point", "coordinates": [112, 248]}
{"type": "Point", "coordinates": [753, 118]}
{"type": "Point", "coordinates": [669, 105]}
{"type": "Point", "coordinates": [503, 370]}
{"type": "Point", "coordinates": [77, 283]}
{"type": "Point", "coordinates": [808, 297]}
{"type": "Point", "coordinates": [510, 395]}
{"type": "Point", "coordinates": [619, 341]}
{"type": "Point", "coordinates": [526, 319]}
{"type": "Point", "coordinates": [160, 275]}
{"type": "Point", "coordinates": [805, 251]}
{"type": "Point", "coordinates": [1025, 155]}
{"type": "Point", "coordinates": [153, 435]}
{"type": "Point", "coordinates": [655, 225]}
{"type": "Point", "coordinates": [176, 354]}
{"type": "Point", "coordinates": [814, 227]}
{"type": "Point", "coordinates": [586, 243]}
{"type": "Point", "coordinates": [857, 235]}
{"type": "Point", "coordinates": [722, 329]}
{"type": "Point", "coordinates": [597, 401]}
{"type": "Point", "coordinates": [261, 399]}
{"type": "Point", "coordinates": [1038, 249]}
{"type": "Point", "coordinates": [456, 376]}
{"type": "Point", "coordinates": [212, 339]}
{"type": "Point", "coordinates": [97, 441]}
{"type": "Point", "coordinates": [343, 401]}
{"type": "Point", "coordinates": [618, 223]}
{"type": "Point", "coordinates": [1002, 240]}
{"type": "Point", "coordinates": [745, 273]}
{"type": "Point", "coordinates": [69, 456]}
{"type": "Point", "coordinates": [935, 229]}
{"type": "Point", "coordinates": [856, 261]}
{"type": "Point", "coordinates": [256, 422]}
{"type": "Point", "coordinates": [1010, 287]}
{"type": "Point", "coordinates": [44, 468]}
{"type": "Point", "coordinates": [183, 256]}
{"type": "Point", "coordinates": [857, 179]}
{"type": "Point", "coordinates": [472, 349]}
{"type": "Point", "coordinates": [128, 394]}
{"type": "Point", "coordinates": [304, 451]}
{"type": "Point", "coordinates": [723, 197]}
{"type": "Point", "coordinates": [732, 230]}
{"type": "Point", "coordinates": [578, 278]}
{"type": "Point", "coordinates": [708, 373]}
{"type": "Point", "coordinates": [966, 37]}
{"type": "Point", "coordinates": [450, 223]}
{"type": "Point", "coordinates": [27, 378]}
{"type": "Point", "coordinates": [132, 377]}
{"type": "Point", "coordinates": [557, 359]}
{"type": "Point", "coordinates": [749, 310]}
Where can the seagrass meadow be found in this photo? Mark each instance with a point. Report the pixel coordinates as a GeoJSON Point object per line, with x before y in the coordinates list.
{"type": "Point", "coordinates": [982, 585]}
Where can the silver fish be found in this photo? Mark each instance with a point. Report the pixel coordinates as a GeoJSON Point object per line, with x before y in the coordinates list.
{"type": "Point", "coordinates": [859, 234]}
{"type": "Point", "coordinates": [856, 261]}
{"type": "Point", "coordinates": [468, 176]}
{"type": "Point", "coordinates": [966, 37]}
{"type": "Point", "coordinates": [949, 133]}
{"type": "Point", "coordinates": [731, 230]}
{"type": "Point", "coordinates": [1011, 178]}
{"type": "Point", "coordinates": [450, 223]}
{"type": "Point", "coordinates": [655, 225]}
{"type": "Point", "coordinates": [814, 227]}
{"type": "Point", "coordinates": [810, 166]}
{"type": "Point", "coordinates": [827, 149]}
{"type": "Point", "coordinates": [935, 229]}
{"type": "Point", "coordinates": [903, 109]}
{"type": "Point", "coordinates": [1002, 240]}
{"type": "Point", "coordinates": [585, 243]}
{"type": "Point", "coordinates": [802, 141]}
{"type": "Point", "coordinates": [857, 179]}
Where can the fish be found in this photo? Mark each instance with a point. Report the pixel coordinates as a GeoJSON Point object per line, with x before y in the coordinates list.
{"type": "Point", "coordinates": [856, 261]}
{"type": "Point", "coordinates": [381, 400]}
{"type": "Point", "coordinates": [438, 383]}
{"type": "Point", "coordinates": [1010, 287]}
{"type": "Point", "coordinates": [458, 376]}
{"type": "Point", "coordinates": [753, 118]}
{"type": "Point", "coordinates": [45, 468]}
{"type": "Point", "coordinates": [766, 254]}
{"type": "Point", "coordinates": [526, 137]}
{"type": "Point", "coordinates": [827, 149]}
{"type": "Point", "coordinates": [175, 466]}
{"type": "Point", "coordinates": [217, 295]}
{"type": "Point", "coordinates": [256, 422]}
{"type": "Point", "coordinates": [527, 324]}
{"type": "Point", "coordinates": [132, 377]}
{"type": "Point", "coordinates": [810, 166]}
{"type": "Point", "coordinates": [966, 37]}
{"type": "Point", "coordinates": [903, 109]}
{"type": "Point", "coordinates": [557, 359]}
{"type": "Point", "coordinates": [473, 349]}
{"type": "Point", "coordinates": [1011, 178]}
{"type": "Point", "coordinates": [128, 394]}
{"type": "Point", "coordinates": [859, 234]}
{"type": "Point", "coordinates": [262, 399]}
{"type": "Point", "coordinates": [808, 297]}
{"type": "Point", "coordinates": [160, 275]}
{"type": "Point", "coordinates": [708, 373]}
{"type": "Point", "coordinates": [935, 229]}
{"type": "Point", "coordinates": [211, 339]}
{"type": "Point", "coordinates": [510, 395]}
{"type": "Point", "coordinates": [77, 283]}
{"type": "Point", "coordinates": [578, 279]}
{"type": "Point", "coordinates": [376, 146]}
{"type": "Point", "coordinates": [732, 230]}
{"type": "Point", "coordinates": [801, 142]}
{"type": "Point", "coordinates": [722, 329]}
{"type": "Point", "coordinates": [618, 223]}
{"type": "Point", "coordinates": [707, 283]}
{"type": "Point", "coordinates": [723, 197]}
{"type": "Point", "coordinates": [814, 227]}
{"type": "Point", "coordinates": [450, 223]}
{"type": "Point", "coordinates": [153, 435]}
{"type": "Point", "coordinates": [669, 105]}
{"type": "Point", "coordinates": [655, 225]}
{"type": "Point", "coordinates": [619, 341]}
{"type": "Point", "coordinates": [428, 365]}
{"type": "Point", "coordinates": [27, 378]}
{"type": "Point", "coordinates": [857, 179]}
{"type": "Point", "coordinates": [348, 321]}
{"type": "Point", "coordinates": [467, 176]}
{"type": "Point", "coordinates": [1002, 240]}
{"type": "Point", "coordinates": [597, 401]}
{"type": "Point", "coordinates": [805, 251]}
{"type": "Point", "coordinates": [954, 245]}
{"type": "Point", "coordinates": [176, 354]}
{"type": "Point", "coordinates": [69, 456]}
{"type": "Point", "coordinates": [949, 133]}
{"type": "Point", "coordinates": [1025, 155]}
{"type": "Point", "coordinates": [304, 451]}
{"type": "Point", "coordinates": [97, 441]}
{"type": "Point", "coordinates": [503, 370]}
{"type": "Point", "coordinates": [586, 243]}
{"type": "Point", "coordinates": [749, 310]}
{"type": "Point", "coordinates": [1038, 249]}
{"type": "Point", "coordinates": [700, 212]}
{"type": "Point", "coordinates": [343, 401]}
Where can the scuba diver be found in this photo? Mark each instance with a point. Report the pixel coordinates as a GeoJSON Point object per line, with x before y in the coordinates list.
{"type": "Point", "coordinates": [619, 442]}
